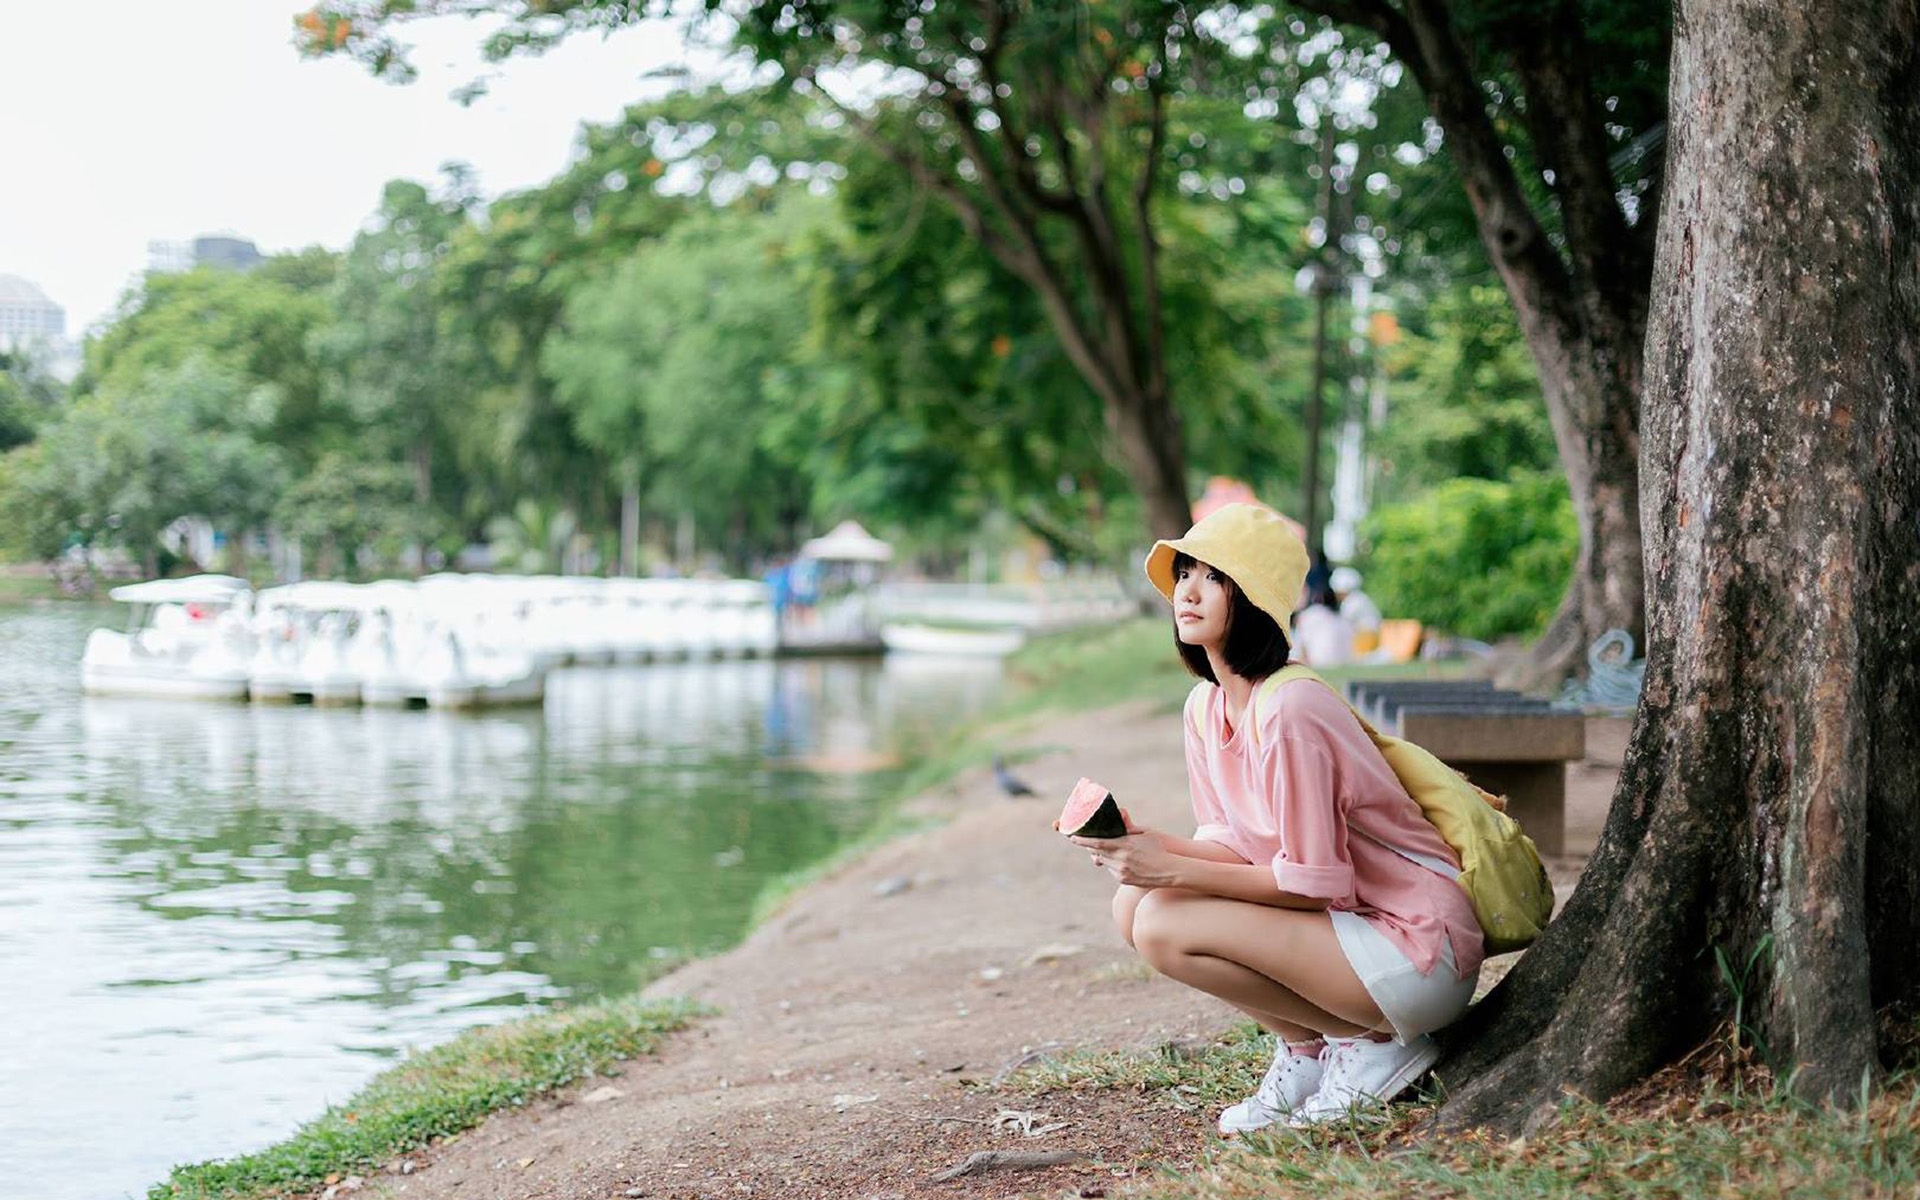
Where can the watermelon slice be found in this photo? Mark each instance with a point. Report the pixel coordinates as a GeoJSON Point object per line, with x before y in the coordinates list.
{"type": "Point", "coordinates": [1091, 811]}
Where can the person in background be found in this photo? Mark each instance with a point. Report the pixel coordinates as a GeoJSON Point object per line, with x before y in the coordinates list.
{"type": "Point", "coordinates": [779, 581]}
{"type": "Point", "coordinates": [1358, 608]}
{"type": "Point", "coordinates": [1319, 573]}
{"type": "Point", "coordinates": [1323, 637]}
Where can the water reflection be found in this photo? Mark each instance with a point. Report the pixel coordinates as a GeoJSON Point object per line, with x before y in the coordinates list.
{"type": "Point", "coordinates": [214, 919]}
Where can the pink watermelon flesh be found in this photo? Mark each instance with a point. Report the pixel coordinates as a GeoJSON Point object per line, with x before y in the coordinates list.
{"type": "Point", "coordinates": [1091, 811]}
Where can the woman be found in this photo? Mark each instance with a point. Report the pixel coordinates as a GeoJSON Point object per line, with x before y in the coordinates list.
{"type": "Point", "coordinates": [1313, 897]}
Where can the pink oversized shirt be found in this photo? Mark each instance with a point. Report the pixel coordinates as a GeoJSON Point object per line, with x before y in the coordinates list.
{"type": "Point", "coordinates": [1313, 798]}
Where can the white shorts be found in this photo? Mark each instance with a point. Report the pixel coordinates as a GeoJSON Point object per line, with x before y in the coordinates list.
{"type": "Point", "coordinates": [1412, 1003]}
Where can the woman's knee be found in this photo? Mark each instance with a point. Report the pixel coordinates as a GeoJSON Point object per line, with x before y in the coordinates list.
{"type": "Point", "coordinates": [1161, 925]}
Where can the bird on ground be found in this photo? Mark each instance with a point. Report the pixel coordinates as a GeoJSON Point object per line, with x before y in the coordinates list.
{"type": "Point", "coordinates": [1008, 783]}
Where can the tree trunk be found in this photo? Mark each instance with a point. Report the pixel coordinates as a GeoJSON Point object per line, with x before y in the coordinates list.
{"type": "Point", "coordinates": [1762, 854]}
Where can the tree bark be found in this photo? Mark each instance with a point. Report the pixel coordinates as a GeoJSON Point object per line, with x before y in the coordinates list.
{"type": "Point", "coordinates": [1761, 853]}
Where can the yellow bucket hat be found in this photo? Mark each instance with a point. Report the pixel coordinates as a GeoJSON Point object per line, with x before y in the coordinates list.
{"type": "Point", "coordinates": [1254, 545]}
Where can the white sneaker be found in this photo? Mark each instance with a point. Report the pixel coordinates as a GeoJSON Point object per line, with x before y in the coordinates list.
{"type": "Point", "coordinates": [1288, 1082]}
{"type": "Point", "coordinates": [1362, 1075]}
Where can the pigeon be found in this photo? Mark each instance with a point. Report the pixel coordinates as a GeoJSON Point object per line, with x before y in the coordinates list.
{"type": "Point", "coordinates": [1008, 784]}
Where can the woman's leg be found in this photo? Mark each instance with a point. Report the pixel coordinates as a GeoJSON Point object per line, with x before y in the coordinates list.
{"type": "Point", "coordinates": [1283, 966]}
{"type": "Point", "coordinates": [1126, 902]}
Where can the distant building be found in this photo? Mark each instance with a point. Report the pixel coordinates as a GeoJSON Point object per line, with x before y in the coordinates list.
{"type": "Point", "coordinates": [225, 251]}
{"type": "Point", "coordinates": [27, 317]}
{"type": "Point", "coordinates": [169, 258]}
{"type": "Point", "coordinates": [31, 323]}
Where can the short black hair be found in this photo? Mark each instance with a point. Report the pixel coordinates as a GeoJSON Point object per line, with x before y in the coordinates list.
{"type": "Point", "coordinates": [1256, 645]}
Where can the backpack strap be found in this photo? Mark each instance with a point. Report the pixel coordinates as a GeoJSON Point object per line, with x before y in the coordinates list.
{"type": "Point", "coordinates": [1264, 690]}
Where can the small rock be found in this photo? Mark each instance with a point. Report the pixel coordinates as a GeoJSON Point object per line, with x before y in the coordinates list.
{"type": "Point", "coordinates": [892, 885]}
{"type": "Point", "coordinates": [601, 1095]}
{"type": "Point", "coordinates": [634, 1193]}
{"type": "Point", "coordinates": [991, 973]}
{"type": "Point", "coordinates": [842, 1101]}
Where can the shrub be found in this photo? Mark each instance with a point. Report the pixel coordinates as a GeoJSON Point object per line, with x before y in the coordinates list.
{"type": "Point", "coordinates": [1476, 557]}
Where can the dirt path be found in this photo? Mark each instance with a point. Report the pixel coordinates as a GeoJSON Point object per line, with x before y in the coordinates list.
{"type": "Point", "coordinates": [858, 1030]}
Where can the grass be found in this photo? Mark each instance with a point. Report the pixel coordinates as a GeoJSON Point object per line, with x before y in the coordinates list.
{"type": "Point", "coordinates": [23, 588]}
{"type": "Point", "coordinates": [437, 1094]}
{"type": "Point", "coordinates": [1714, 1125]}
{"type": "Point", "coordinates": [1093, 667]}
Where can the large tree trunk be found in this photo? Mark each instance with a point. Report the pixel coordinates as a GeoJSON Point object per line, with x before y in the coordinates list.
{"type": "Point", "coordinates": [1768, 814]}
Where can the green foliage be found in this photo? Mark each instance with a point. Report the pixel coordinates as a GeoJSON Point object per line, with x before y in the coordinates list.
{"type": "Point", "coordinates": [28, 398]}
{"type": "Point", "coordinates": [532, 538]}
{"type": "Point", "coordinates": [395, 362]}
{"type": "Point", "coordinates": [679, 360]}
{"type": "Point", "coordinates": [346, 503]}
{"type": "Point", "coordinates": [1479, 558]}
{"type": "Point", "coordinates": [437, 1094]}
{"type": "Point", "coordinates": [1464, 400]}
{"type": "Point", "coordinates": [121, 465]}
{"type": "Point", "coordinates": [256, 327]}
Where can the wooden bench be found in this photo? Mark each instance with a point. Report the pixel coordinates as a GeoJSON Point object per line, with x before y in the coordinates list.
{"type": "Point", "coordinates": [1509, 744]}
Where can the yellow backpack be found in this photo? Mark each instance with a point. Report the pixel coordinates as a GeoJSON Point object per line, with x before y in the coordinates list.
{"type": "Point", "coordinates": [1500, 868]}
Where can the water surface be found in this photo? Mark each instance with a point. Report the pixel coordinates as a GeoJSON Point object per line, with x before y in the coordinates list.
{"type": "Point", "coordinates": [216, 919]}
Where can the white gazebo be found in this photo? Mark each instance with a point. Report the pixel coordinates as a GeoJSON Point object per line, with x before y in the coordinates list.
{"type": "Point", "coordinates": [847, 542]}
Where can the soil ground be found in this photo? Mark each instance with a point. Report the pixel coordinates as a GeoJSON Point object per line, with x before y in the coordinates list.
{"type": "Point", "coordinates": [860, 1032]}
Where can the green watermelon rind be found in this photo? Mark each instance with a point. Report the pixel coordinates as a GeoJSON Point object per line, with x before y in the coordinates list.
{"type": "Point", "coordinates": [1106, 822]}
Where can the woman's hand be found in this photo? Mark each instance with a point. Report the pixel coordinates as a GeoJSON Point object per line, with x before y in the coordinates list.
{"type": "Point", "coordinates": [1138, 859]}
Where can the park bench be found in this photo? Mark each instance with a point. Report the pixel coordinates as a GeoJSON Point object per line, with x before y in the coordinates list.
{"type": "Point", "coordinates": [1509, 744]}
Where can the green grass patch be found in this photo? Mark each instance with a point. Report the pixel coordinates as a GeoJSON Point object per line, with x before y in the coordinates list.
{"type": "Point", "coordinates": [24, 588]}
{"type": "Point", "coordinates": [1177, 1075]}
{"type": "Point", "coordinates": [1094, 667]}
{"type": "Point", "coordinates": [1716, 1125]}
{"type": "Point", "coordinates": [436, 1094]}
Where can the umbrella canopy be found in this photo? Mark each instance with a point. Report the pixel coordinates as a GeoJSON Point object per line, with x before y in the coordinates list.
{"type": "Point", "coordinates": [194, 589]}
{"type": "Point", "coordinates": [847, 542]}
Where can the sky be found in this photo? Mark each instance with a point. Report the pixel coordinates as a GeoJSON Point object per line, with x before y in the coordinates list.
{"type": "Point", "coordinates": [129, 121]}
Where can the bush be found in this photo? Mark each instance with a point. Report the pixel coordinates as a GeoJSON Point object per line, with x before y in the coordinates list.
{"type": "Point", "coordinates": [1476, 557]}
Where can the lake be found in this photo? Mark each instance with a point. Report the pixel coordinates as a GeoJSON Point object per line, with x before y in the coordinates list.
{"type": "Point", "coordinates": [217, 919]}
